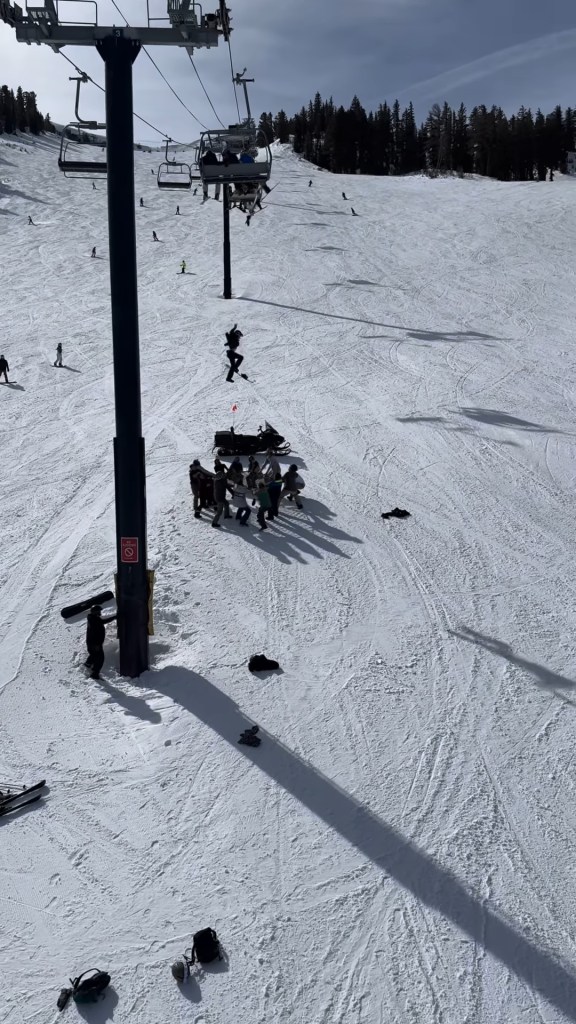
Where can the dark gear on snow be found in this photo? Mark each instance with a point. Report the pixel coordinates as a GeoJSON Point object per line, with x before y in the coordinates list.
{"type": "Point", "coordinates": [205, 946]}
{"type": "Point", "coordinates": [84, 989]}
{"type": "Point", "coordinates": [248, 738]}
{"type": "Point", "coordinates": [260, 663]}
{"type": "Point", "coordinates": [400, 513]}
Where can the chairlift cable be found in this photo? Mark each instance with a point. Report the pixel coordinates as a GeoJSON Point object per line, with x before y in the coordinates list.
{"type": "Point", "coordinates": [205, 93]}
{"type": "Point", "coordinates": [98, 86]}
{"type": "Point", "coordinates": [233, 83]}
{"type": "Point", "coordinates": [162, 75]}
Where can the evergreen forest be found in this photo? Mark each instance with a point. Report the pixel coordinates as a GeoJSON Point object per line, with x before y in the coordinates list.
{"type": "Point", "coordinates": [523, 147]}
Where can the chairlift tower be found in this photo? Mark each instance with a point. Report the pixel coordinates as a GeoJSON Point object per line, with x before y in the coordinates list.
{"type": "Point", "coordinates": [186, 26]}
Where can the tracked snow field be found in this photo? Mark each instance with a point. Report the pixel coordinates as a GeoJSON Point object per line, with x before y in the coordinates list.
{"type": "Point", "coordinates": [400, 848]}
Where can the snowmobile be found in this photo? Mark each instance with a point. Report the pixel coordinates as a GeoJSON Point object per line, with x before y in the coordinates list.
{"type": "Point", "coordinates": [228, 442]}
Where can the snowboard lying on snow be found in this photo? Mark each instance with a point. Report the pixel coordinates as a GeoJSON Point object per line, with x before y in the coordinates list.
{"type": "Point", "coordinates": [84, 606]}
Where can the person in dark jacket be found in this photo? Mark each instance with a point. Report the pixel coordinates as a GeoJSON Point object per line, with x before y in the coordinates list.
{"type": "Point", "coordinates": [194, 472]}
{"type": "Point", "coordinates": [275, 490]}
{"type": "Point", "coordinates": [234, 358]}
{"type": "Point", "coordinates": [58, 354]}
{"type": "Point", "coordinates": [293, 484]}
{"type": "Point", "coordinates": [4, 368]}
{"type": "Point", "coordinates": [95, 636]}
{"type": "Point", "coordinates": [221, 485]}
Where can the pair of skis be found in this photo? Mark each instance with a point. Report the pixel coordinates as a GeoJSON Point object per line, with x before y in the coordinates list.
{"type": "Point", "coordinates": [12, 798]}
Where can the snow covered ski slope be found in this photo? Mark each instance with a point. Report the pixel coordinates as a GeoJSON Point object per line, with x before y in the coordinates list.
{"type": "Point", "coordinates": [400, 847]}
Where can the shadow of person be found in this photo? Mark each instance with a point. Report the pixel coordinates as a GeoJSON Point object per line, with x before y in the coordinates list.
{"type": "Point", "coordinates": [14, 387]}
{"type": "Point", "coordinates": [135, 706]}
{"type": "Point", "coordinates": [436, 887]}
{"type": "Point", "coordinates": [71, 368]}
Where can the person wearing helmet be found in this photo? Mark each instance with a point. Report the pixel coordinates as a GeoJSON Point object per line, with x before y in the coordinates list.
{"type": "Point", "coordinates": [293, 484]}
{"type": "Point", "coordinates": [95, 636]}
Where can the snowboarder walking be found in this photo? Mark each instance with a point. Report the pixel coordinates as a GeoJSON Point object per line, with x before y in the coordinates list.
{"type": "Point", "coordinates": [95, 636]}
{"type": "Point", "coordinates": [4, 368]}
{"type": "Point", "coordinates": [58, 354]}
{"type": "Point", "coordinates": [262, 497]}
{"type": "Point", "coordinates": [30, 221]}
{"type": "Point", "coordinates": [234, 358]}
{"type": "Point", "coordinates": [93, 253]}
{"type": "Point", "coordinates": [154, 236]}
{"type": "Point", "coordinates": [221, 485]}
{"type": "Point", "coordinates": [183, 267]}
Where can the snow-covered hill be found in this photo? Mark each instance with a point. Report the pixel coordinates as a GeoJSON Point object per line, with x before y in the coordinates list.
{"type": "Point", "coordinates": [400, 847]}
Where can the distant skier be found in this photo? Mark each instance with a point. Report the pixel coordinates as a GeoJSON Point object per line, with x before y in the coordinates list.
{"type": "Point", "coordinates": [4, 368]}
{"type": "Point", "coordinates": [234, 358]}
{"type": "Point", "coordinates": [94, 186]}
{"type": "Point", "coordinates": [141, 201]}
{"type": "Point", "coordinates": [58, 354]}
{"type": "Point", "coordinates": [95, 636]}
{"type": "Point", "coordinates": [30, 221]}
{"type": "Point", "coordinates": [183, 267]}
{"type": "Point", "coordinates": [93, 253]}
{"type": "Point", "coordinates": [354, 214]}
{"type": "Point", "coordinates": [310, 183]}
{"type": "Point", "coordinates": [177, 211]}
{"type": "Point", "coordinates": [154, 236]}
{"type": "Point", "coordinates": [344, 196]}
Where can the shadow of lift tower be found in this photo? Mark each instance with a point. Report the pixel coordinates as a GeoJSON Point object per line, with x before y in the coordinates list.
{"type": "Point", "coordinates": [119, 47]}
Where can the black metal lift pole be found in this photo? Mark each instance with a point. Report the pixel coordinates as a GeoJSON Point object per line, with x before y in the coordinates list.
{"type": "Point", "coordinates": [119, 53]}
{"type": "Point", "coordinates": [227, 264]}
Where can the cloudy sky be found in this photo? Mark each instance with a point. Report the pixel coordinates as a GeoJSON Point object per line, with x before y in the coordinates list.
{"type": "Point", "coordinates": [508, 52]}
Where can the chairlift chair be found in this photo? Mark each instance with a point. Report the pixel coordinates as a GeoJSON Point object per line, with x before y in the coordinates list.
{"type": "Point", "coordinates": [172, 174]}
{"type": "Point", "coordinates": [236, 140]}
{"type": "Point", "coordinates": [73, 168]}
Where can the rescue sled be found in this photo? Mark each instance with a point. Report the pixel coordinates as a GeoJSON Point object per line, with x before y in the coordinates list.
{"type": "Point", "coordinates": [228, 442]}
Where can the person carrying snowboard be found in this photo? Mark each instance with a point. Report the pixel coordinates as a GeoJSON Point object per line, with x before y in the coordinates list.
{"type": "Point", "coordinates": [234, 358]}
{"type": "Point", "coordinates": [95, 636]}
{"type": "Point", "coordinates": [58, 354]}
{"type": "Point", "coordinates": [4, 368]}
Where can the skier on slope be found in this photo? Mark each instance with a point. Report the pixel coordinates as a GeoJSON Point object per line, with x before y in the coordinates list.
{"type": "Point", "coordinates": [235, 359]}
{"type": "Point", "coordinates": [58, 354]}
{"type": "Point", "coordinates": [183, 267]}
{"type": "Point", "coordinates": [93, 253]}
{"type": "Point", "coordinates": [4, 368]}
{"type": "Point", "coordinates": [154, 236]}
{"type": "Point", "coordinates": [30, 221]}
{"type": "Point", "coordinates": [95, 636]}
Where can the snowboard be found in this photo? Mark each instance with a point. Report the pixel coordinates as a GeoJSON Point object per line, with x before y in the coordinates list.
{"type": "Point", "coordinates": [84, 606]}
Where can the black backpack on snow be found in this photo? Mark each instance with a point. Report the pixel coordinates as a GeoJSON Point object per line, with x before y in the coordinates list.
{"type": "Point", "coordinates": [84, 989]}
{"type": "Point", "coordinates": [205, 946]}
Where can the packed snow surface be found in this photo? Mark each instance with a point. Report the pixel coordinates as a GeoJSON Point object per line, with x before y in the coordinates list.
{"type": "Point", "coordinates": [400, 848]}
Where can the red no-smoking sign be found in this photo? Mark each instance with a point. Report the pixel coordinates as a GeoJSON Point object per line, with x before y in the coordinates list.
{"type": "Point", "coordinates": [129, 549]}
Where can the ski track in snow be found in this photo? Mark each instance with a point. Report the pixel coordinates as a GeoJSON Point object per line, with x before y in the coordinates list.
{"type": "Point", "coordinates": [420, 356]}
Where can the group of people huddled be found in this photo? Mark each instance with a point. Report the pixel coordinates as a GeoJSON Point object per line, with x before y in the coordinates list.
{"type": "Point", "coordinates": [265, 486]}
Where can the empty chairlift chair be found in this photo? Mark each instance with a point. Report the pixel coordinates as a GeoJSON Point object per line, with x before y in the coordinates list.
{"type": "Point", "coordinates": [70, 161]}
{"type": "Point", "coordinates": [174, 175]}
